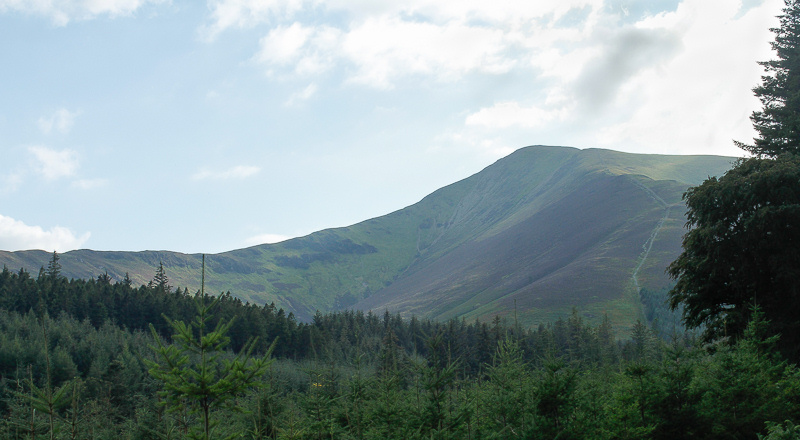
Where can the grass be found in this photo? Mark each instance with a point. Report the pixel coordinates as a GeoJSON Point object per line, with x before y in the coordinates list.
{"type": "Point", "coordinates": [546, 221]}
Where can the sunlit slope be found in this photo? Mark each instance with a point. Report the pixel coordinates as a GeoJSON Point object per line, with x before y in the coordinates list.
{"type": "Point", "coordinates": [547, 228]}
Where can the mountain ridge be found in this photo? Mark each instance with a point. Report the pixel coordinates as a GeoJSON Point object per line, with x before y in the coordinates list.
{"type": "Point", "coordinates": [545, 228]}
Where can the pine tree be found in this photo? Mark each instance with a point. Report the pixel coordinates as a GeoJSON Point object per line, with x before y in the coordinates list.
{"type": "Point", "coordinates": [743, 247]}
{"type": "Point", "coordinates": [54, 267]}
{"type": "Point", "coordinates": [194, 370]}
{"type": "Point", "coordinates": [49, 399]}
{"type": "Point", "coordinates": [778, 122]}
{"type": "Point", "coordinates": [160, 282]}
{"type": "Point", "coordinates": [507, 399]}
{"type": "Point", "coordinates": [438, 417]}
{"type": "Point", "coordinates": [556, 398]}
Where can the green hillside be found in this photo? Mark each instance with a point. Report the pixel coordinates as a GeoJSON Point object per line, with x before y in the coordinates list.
{"type": "Point", "coordinates": [546, 228]}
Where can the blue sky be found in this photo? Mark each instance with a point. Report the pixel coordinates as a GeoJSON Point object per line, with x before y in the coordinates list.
{"type": "Point", "coordinates": [210, 126]}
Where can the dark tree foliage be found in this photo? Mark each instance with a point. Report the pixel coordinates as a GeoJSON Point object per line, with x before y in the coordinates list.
{"type": "Point", "coordinates": [54, 267]}
{"type": "Point", "coordinates": [193, 372]}
{"type": "Point", "coordinates": [160, 281]}
{"type": "Point", "coordinates": [100, 301]}
{"type": "Point", "coordinates": [743, 249]}
{"type": "Point", "coordinates": [368, 376]}
{"type": "Point", "coordinates": [778, 122]}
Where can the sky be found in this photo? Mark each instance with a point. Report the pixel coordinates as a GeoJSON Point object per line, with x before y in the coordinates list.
{"type": "Point", "coordinates": [208, 126]}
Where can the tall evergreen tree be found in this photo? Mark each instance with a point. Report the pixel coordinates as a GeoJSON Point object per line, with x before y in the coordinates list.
{"type": "Point", "coordinates": [507, 399]}
{"type": "Point", "coordinates": [54, 267]}
{"type": "Point", "coordinates": [743, 247]}
{"type": "Point", "coordinates": [778, 122]}
{"type": "Point", "coordinates": [194, 371]}
{"type": "Point", "coordinates": [160, 281]}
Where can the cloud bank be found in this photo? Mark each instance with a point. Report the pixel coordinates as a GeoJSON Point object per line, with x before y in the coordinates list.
{"type": "Point", "coordinates": [16, 235]}
{"type": "Point", "coordinates": [606, 75]}
{"type": "Point", "coordinates": [62, 12]}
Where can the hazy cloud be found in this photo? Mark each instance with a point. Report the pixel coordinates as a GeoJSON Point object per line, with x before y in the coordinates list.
{"type": "Point", "coordinates": [699, 97]}
{"type": "Point", "coordinates": [474, 140]}
{"type": "Point", "coordinates": [377, 43]}
{"type": "Point", "coordinates": [507, 114]}
{"type": "Point", "coordinates": [384, 48]}
{"type": "Point", "coordinates": [53, 164]}
{"type": "Point", "coordinates": [674, 82]}
{"type": "Point", "coordinates": [302, 95]}
{"type": "Point", "coordinates": [265, 239]}
{"type": "Point", "coordinates": [627, 53]}
{"type": "Point", "coordinates": [300, 49]}
{"type": "Point", "coordinates": [237, 172]}
{"type": "Point", "coordinates": [16, 235]}
{"type": "Point", "coordinates": [61, 120]}
{"type": "Point", "coordinates": [11, 182]}
{"type": "Point", "coordinates": [240, 14]}
{"type": "Point", "coordinates": [89, 183]}
{"type": "Point", "coordinates": [61, 12]}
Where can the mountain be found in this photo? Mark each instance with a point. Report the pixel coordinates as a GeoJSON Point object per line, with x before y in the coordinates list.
{"type": "Point", "coordinates": [537, 233]}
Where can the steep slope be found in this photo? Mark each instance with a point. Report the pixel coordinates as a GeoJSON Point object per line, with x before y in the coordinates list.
{"type": "Point", "coordinates": [586, 236]}
{"type": "Point", "coordinates": [546, 228]}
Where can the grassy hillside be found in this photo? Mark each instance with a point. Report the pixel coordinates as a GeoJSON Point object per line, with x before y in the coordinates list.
{"type": "Point", "coordinates": [546, 228]}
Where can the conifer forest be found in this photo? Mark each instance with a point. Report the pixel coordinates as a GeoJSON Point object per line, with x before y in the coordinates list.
{"type": "Point", "coordinates": [96, 359]}
{"type": "Point", "coordinates": [715, 357]}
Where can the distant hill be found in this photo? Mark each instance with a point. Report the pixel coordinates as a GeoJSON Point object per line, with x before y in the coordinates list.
{"type": "Point", "coordinates": [544, 229]}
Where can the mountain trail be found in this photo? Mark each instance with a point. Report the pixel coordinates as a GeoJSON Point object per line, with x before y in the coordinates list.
{"type": "Point", "coordinates": [648, 245]}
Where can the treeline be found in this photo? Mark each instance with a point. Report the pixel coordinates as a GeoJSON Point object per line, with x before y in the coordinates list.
{"type": "Point", "coordinates": [100, 301]}
{"type": "Point", "coordinates": [74, 356]}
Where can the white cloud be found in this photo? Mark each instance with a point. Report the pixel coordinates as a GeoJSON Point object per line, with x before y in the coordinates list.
{"type": "Point", "coordinates": [626, 53]}
{"type": "Point", "coordinates": [508, 114]}
{"type": "Point", "coordinates": [16, 235]}
{"type": "Point", "coordinates": [302, 95]}
{"type": "Point", "coordinates": [61, 120]}
{"type": "Point", "coordinates": [303, 50]}
{"type": "Point", "coordinates": [699, 99]}
{"type": "Point", "coordinates": [282, 45]}
{"type": "Point", "coordinates": [240, 14]}
{"type": "Point", "coordinates": [53, 164]}
{"type": "Point", "coordinates": [678, 82]}
{"type": "Point", "coordinates": [383, 48]}
{"type": "Point", "coordinates": [477, 142]}
{"type": "Point", "coordinates": [378, 43]}
{"type": "Point", "coordinates": [237, 172]}
{"type": "Point", "coordinates": [266, 239]}
{"type": "Point", "coordinates": [61, 12]}
{"type": "Point", "coordinates": [578, 72]}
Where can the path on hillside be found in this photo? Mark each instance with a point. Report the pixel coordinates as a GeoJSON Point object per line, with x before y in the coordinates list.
{"type": "Point", "coordinates": [649, 243]}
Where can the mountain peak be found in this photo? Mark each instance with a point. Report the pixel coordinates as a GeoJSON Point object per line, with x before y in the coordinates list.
{"type": "Point", "coordinates": [545, 228]}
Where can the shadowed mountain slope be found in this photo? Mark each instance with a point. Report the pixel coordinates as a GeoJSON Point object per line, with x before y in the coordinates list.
{"type": "Point", "coordinates": [545, 229]}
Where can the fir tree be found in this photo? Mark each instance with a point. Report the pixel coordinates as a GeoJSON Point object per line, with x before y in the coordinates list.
{"type": "Point", "coordinates": [54, 267]}
{"type": "Point", "coordinates": [160, 282]}
{"type": "Point", "coordinates": [778, 122]}
{"type": "Point", "coordinates": [194, 370]}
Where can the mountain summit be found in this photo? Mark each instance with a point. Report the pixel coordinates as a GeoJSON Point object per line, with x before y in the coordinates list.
{"type": "Point", "coordinates": [540, 232]}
